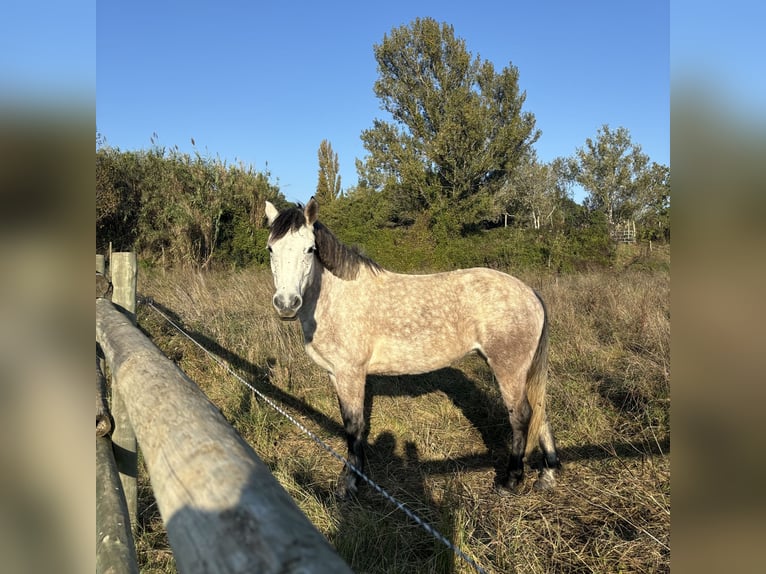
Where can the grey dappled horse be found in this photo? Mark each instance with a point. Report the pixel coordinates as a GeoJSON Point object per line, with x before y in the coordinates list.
{"type": "Point", "coordinates": [358, 319]}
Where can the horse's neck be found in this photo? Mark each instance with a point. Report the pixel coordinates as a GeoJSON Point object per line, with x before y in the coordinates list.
{"type": "Point", "coordinates": [323, 284]}
{"type": "Point", "coordinates": [326, 290]}
{"type": "Point", "coordinates": [319, 285]}
{"type": "Point", "coordinates": [317, 302]}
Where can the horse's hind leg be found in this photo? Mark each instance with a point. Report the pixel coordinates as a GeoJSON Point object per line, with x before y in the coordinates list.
{"type": "Point", "coordinates": [519, 416]}
{"type": "Point", "coordinates": [551, 463]}
{"type": "Point", "coordinates": [350, 390]}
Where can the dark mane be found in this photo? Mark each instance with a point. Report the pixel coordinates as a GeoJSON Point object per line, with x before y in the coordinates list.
{"type": "Point", "coordinates": [339, 259]}
{"type": "Point", "coordinates": [291, 219]}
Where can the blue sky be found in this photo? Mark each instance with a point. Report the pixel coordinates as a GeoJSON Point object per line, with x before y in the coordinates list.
{"type": "Point", "coordinates": [48, 51]}
{"type": "Point", "coordinates": [720, 52]}
{"type": "Point", "coordinates": [265, 83]}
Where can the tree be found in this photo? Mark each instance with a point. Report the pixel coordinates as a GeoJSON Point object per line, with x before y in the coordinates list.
{"type": "Point", "coordinates": [458, 128]}
{"type": "Point", "coordinates": [536, 190]}
{"type": "Point", "coordinates": [328, 184]}
{"type": "Point", "coordinates": [653, 209]}
{"type": "Point", "coordinates": [615, 173]}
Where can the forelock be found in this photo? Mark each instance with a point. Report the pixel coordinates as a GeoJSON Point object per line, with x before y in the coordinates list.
{"type": "Point", "coordinates": [291, 219]}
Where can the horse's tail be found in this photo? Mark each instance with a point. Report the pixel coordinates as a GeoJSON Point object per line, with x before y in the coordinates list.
{"type": "Point", "coordinates": [537, 380]}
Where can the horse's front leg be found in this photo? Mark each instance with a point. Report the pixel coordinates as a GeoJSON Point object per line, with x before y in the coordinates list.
{"type": "Point", "coordinates": [350, 389]}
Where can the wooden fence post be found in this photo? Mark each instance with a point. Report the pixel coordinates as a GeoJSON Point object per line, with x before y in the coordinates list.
{"type": "Point", "coordinates": [124, 273]}
{"type": "Point", "coordinates": [124, 276]}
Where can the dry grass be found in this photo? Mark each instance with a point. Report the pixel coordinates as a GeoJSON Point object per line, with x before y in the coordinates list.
{"type": "Point", "coordinates": [437, 441]}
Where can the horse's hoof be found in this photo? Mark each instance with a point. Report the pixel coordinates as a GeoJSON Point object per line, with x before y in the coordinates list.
{"type": "Point", "coordinates": [508, 487]}
{"type": "Point", "coordinates": [547, 480]}
{"type": "Point", "coordinates": [346, 489]}
{"type": "Point", "coordinates": [504, 492]}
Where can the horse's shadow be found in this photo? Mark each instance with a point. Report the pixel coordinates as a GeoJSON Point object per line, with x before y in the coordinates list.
{"type": "Point", "coordinates": [482, 410]}
{"type": "Point", "coordinates": [257, 375]}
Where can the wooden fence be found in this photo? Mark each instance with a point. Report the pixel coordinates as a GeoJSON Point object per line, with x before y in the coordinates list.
{"type": "Point", "coordinates": [223, 509]}
{"type": "Point", "coordinates": [624, 231]}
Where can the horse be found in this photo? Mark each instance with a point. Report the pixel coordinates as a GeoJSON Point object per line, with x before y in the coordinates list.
{"type": "Point", "coordinates": [358, 319]}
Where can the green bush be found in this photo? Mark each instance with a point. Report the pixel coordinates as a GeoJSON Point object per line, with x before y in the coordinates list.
{"type": "Point", "coordinates": [413, 250]}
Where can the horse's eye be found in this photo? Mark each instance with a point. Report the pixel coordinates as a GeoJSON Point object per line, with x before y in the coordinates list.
{"type": "Point", "coordinates": [269, 248]}
{"type": "Point", "coordinates": [311, 249]}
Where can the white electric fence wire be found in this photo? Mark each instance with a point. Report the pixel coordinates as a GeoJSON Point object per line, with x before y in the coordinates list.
{"type": "Point", "coordinates": [380, 490]}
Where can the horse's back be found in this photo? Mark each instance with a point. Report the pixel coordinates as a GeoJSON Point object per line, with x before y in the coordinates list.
{"type": "Point", "coordinates": [474, 294]}
{"type": "Point", "coordinates": [419, 323]}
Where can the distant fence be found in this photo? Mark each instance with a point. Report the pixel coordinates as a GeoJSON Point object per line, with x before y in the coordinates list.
{"type": "Point", "coordinates": [624, 232]}
{"type": "Point", "coordinates": [223, 509]}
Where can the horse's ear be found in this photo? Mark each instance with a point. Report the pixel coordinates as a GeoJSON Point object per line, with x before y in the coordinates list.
{"type": "Point", "coordinates": [311, 211]}
{"type": "Point", "coordinates": [271, 212]}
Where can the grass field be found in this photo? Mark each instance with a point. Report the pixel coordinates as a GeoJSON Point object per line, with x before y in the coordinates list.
{"type": "Point", "coordinates": [438, 440]}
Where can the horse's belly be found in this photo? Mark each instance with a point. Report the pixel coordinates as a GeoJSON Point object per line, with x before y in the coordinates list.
{"type": "Point", "coordinates": [403, 357]}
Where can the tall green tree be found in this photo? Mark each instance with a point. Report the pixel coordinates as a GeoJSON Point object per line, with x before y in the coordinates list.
{"type": "Point", "coordinates": [653, 205]}
{"type": "Point", "coordinates": [616, 174]}
{"type": "Point", "coordinates": [328, 183]}
{"type": "Point", "coordinates": [535, 191]}
{"type": "Point", "coordinates": [458, 127]}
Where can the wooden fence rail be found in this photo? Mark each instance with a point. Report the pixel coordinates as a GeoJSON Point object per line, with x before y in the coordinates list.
{"type": "Point", "coordinates": [223, 509]}
{"type": "Point", "coordinates": [115, 550]}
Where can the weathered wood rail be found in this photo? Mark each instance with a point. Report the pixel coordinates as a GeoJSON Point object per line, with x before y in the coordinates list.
{"type": "Point", "coordinates": [223, 509]}
{"type": "Point", "coordinates": [115, 550]}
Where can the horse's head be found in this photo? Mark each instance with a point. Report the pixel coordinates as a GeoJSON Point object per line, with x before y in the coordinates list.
{"type": "Point", "coordinates": [291, 247]}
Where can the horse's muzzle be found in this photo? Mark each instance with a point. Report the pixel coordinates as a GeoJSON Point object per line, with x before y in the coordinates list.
{"type": "Point", "coordinates": [287, 306]}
